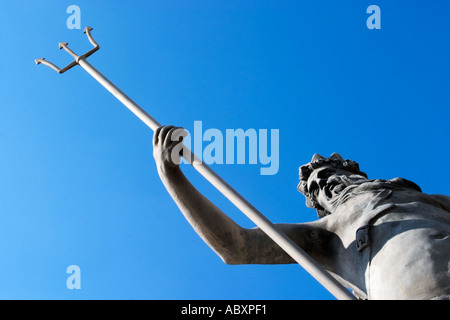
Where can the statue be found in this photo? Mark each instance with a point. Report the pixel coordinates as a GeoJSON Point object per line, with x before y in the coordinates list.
{"type": "Point", "coordinates": [383, 239]}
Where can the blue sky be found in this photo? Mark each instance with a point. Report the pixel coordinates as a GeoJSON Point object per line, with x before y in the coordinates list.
{"type": "Point", "coordinates": [79, 183]}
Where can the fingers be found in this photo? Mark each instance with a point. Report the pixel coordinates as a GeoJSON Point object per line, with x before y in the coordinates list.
{"type": "Point", "coordinates": [174, 136]}
{"type": "Point", "coordinates": [156, 135]}
{"type": "Point", "coordinates": [164, 135]}
{"type": "Point", "coordinates": [168, 136]}
{"type": "Point", "coordinates": [167, 145]}
{"type": "Point", "coordinates": [159, 134]}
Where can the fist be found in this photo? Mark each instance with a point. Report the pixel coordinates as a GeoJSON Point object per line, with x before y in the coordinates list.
{"type": "Point", "coordinates": [167, 146]}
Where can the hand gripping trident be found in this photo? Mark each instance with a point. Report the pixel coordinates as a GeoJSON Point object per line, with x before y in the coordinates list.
{"type": "Point", "coordinates": [311, 266]}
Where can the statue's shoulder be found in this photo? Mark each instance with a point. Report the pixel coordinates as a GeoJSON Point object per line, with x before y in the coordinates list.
{"type": "Point", "coordinates": [443, 200]}
{"type": "Point", "coordinates": [404, 183]}
{"type": "Point", "coordinates": [382, 184]}
{"type": "Point", "coordinates": [439, 200]}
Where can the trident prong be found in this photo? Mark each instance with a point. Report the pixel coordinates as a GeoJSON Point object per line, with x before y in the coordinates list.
{"type": "Point", "coordinates": [87, 31]}
{"type": "Point", "coordinates": [64, 45]}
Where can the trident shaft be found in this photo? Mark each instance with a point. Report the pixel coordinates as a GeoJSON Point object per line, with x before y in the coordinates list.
{"type": "Point", "coordinates": [291, 248]}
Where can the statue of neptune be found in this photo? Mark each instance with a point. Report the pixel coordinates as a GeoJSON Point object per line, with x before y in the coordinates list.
{"type": "Point", "coordinates": [384, 239]}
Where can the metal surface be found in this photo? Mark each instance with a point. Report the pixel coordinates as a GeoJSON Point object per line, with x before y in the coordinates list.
{"type": "Point", "coordinates": [64, 45]}
{"type": "Point", "coordinates": [291, 248]}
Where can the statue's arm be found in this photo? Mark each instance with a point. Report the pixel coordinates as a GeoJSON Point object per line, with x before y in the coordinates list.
{"type": "Point", "coordinates": [234, 244]}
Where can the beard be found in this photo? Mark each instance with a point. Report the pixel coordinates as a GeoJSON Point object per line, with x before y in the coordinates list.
{"type": "Point", "coordinates": [337, 184]}
{"type": "Point", "coordinates": [337, 190]}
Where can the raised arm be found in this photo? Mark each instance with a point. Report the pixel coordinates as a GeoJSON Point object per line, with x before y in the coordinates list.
{"type": "Point", "coordinates": [234, 244]}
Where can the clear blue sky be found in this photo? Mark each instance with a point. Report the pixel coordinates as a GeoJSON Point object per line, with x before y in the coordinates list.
{"type": "Point", "coordinates": [78, 181]}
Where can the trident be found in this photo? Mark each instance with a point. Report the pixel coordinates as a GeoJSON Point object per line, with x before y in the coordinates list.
{"type": "Point", "coordinates": [291, 248]}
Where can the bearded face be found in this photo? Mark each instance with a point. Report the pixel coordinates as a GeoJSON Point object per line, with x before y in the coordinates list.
{"type": "Point", "coordinates": [323, 181]}
{"type": "Point", "coordinates": [326, 184]}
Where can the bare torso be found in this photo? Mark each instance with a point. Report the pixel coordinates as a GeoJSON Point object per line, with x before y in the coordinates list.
{"type": "Point", "coordinates": [407, 256]}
